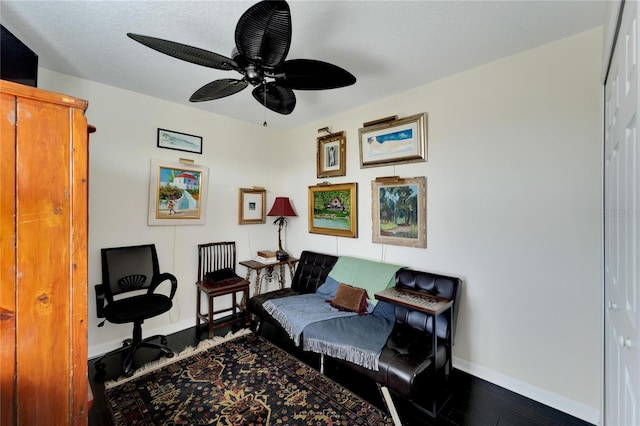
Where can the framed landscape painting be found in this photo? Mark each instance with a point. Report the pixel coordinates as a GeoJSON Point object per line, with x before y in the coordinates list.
{"type": "Point", "coordinates": [333, 210]}
{"type": "Point", "coordinates": [177, 193]}
{"type": "Point", "coordinates": [400, 212]}
{"type": "Point", "coordinates": [394, 142]}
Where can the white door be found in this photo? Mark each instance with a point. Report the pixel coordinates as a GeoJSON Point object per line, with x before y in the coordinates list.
{"type": "Point", "coordinates": [622, 227]}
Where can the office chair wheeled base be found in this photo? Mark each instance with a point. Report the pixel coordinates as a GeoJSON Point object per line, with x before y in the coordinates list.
{"type": "Point", "coordinates": [130, 346]}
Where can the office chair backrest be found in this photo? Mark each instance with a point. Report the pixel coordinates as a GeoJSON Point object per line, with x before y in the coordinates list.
{"type": "Point", "coordinates": [216, 256]}
{"type": "Point", "coordinates": [127, 269]}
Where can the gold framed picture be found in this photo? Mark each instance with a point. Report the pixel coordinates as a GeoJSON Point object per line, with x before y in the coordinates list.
{"type": "Point", "coordinates": [400, 212]}
{"type": "Point", "coordinates": [333, 210]}
{"type": "Point", "coordinates": [394, 142]}
{"type": "Point", "coordinates": [251, 206]}
{"type": "Point", "coordinates": [332, 155]}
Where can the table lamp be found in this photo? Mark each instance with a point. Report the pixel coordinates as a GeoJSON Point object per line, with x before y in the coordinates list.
{"type": "Point", "coordinates": [281, 208]}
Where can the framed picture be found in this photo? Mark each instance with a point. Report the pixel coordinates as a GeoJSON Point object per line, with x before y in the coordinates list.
{"type": "Point", "coordinates": [177, 193]}
{"type": "Point", "coordinates": [179, 141]}
{"type": "Point", "coordinates": [400, 212]}
{"type": "Point", "coordinates": [333, 210]}
{"type": "Point", "coordinates": [394, 142]}
{"type": "Point", "coordinates": [252, 207]}
{"type": "Point", "coordinates": [332, 155]}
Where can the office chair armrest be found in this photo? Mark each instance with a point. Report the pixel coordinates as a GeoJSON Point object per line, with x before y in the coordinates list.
{"type": "Point", "coordinates": [100, 298]}
{"type": "Point", "coordinates": [159, 279]}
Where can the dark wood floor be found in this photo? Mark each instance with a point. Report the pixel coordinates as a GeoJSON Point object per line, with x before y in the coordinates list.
{"type": "Point", "coordinates": [474, 401]}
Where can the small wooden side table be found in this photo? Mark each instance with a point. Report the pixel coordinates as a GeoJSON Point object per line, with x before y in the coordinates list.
{"type": "Point", "coordinates": [258, 267]}
{"type": "Point", "coordinates": [431, 305]}
{"type": "Point", "coordinates": [221, 288]}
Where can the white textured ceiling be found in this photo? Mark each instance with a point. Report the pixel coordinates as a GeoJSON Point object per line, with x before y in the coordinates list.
{"type": "Point", "coordinates": [390, 46]}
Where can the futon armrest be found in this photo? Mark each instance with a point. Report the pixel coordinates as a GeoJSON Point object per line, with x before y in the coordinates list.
{"type": "Point", "coordinates": [100, 300]}
{"type": "Point", "coordinates": [159, 279]}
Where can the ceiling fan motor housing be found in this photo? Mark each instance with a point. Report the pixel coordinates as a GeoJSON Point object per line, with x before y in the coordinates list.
{"type": "Point", "coordinates": [254, 74]}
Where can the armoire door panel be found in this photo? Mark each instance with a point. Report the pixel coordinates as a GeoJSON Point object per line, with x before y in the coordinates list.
{"type": "Point", "coordinates": [43, 297]}
{"type": "Point", "coordinates": [43, 229]}
{"type": "Point", "coordinates": [7, 259]}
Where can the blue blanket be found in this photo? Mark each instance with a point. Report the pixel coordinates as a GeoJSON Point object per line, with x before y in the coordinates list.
{"type": "Point", "coordinates": [294, 313]}
{"type": "Point", "coordinates": [357, 339]}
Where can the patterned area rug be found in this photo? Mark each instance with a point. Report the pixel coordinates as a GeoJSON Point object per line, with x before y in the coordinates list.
{"type": "Point", "coordinates": [243, 380]}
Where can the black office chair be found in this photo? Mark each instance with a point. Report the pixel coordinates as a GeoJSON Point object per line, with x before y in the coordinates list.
{"type": "Point", "coordinates": [127, 270]}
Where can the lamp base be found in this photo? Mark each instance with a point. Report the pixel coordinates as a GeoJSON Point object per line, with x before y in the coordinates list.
{"type": "Point", "coordinates": [282, 255]}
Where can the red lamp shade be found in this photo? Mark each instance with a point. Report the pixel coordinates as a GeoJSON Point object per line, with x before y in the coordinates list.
{"type": "Point", "coordinates": [281, 207]}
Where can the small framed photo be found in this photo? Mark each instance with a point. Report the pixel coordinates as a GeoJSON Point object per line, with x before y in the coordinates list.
{"type": "Point", "coordinates": [394, 142]}
{"type": "Point", "coordinates": [177, 193]}
{"type": "Point", "coordinates": [332, 155]}
{"type": "Point", "coordinates": [252, 207]}
{"type": "Point", "coordinates": [333, 210]}
{"type": "Point", "coordinates": [400, 212]}
{"type": "Point", "coordinates": [179, 141]}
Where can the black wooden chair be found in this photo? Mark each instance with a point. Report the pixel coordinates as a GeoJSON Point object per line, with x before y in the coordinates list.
{"type": "Point", "coordinates": [217, 277]}
{"type": "Point", "coordinates": [130, 277]}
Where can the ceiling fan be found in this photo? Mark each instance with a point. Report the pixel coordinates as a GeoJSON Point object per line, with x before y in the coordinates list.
{"type": "Point", "coordinates": [262, 37]}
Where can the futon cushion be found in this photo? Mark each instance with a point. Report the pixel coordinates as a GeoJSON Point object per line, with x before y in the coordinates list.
{"type": "Point", "coordinates": [350, 299]}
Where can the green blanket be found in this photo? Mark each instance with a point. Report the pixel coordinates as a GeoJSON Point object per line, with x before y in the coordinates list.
{"type": "Point", "coordinates": [372, 276]}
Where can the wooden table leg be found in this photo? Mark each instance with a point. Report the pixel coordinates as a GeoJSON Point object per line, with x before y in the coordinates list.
{"type": "Point", "coordinates": [210, 316]}
{"type": "Point", "coordinates": [197, 309]}
{"type": "Point", "coordinates": [247, 318]}
{"type": "Point", "coordinates": [234, 303]}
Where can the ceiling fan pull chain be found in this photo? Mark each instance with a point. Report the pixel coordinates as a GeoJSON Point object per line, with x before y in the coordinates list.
{"type": "Point", "coordinates": [265, 104]}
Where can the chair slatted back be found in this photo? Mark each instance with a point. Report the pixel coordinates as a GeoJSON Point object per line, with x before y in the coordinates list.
{"type": "Point", "coordinates": [214, 256]}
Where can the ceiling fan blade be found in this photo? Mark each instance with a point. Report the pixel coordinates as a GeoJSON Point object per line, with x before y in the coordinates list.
{"type": "Point", "coordinates": [309, 74]}
{"type": "Point", "coordinates": [263, 33]}
{"type": "Point", "coordinates": [279, 99]}
{"type": "Point", "coordinates": [186, 53]}
{"type": "Point", "coordinates": [218, 89]}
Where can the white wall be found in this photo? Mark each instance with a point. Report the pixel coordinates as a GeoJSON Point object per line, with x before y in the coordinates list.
{"type": "Point", "coordinates": [513, 193]}
{"type": "Point", "coordinates": [513, 208]}
{"type": "Point", "coordinates": [238, 155]}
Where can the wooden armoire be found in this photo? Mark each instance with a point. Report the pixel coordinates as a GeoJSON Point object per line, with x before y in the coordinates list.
{"type": "Point", "coordinates": [43, 257]}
